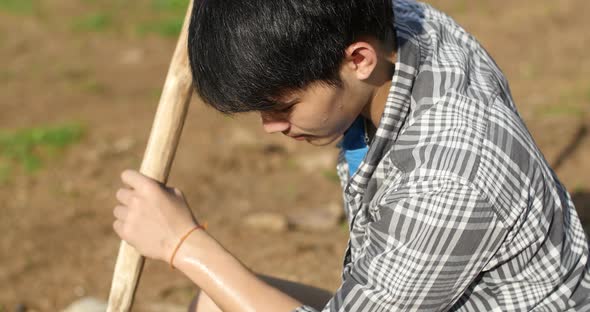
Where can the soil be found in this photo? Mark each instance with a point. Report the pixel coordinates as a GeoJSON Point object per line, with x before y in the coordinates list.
{"type": "Point", "coordinates": [57, 243]}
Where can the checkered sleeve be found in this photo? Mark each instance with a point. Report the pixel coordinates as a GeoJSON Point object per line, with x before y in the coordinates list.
{"type": "Point", "coordinates": [426, 242]}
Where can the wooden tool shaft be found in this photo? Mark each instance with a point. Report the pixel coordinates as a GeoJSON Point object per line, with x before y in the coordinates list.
{"type": "Point", "coordinates": [156, 163]}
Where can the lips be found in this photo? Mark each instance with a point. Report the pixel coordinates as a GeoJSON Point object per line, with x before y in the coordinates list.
{"type": "Point", "coordinates": [298, 137]}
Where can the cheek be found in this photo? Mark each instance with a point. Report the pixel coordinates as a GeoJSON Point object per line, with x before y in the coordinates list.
{"type": "Point", "coordinates": [330, 113]}
{"type": "Point", "coordinates": [333, 112]}
{"type": "Point", "coordinates": [323, 114]}
{"type": "Point", "coordinates": [343, 111]}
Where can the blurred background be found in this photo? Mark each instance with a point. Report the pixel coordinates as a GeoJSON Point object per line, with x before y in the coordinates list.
{"type": "Point", "coordinates": [79, 85]}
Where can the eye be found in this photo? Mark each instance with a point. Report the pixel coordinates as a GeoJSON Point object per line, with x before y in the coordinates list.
{"type": "Point", "coordinates": [286, 109]}
{"type": "Point", "coordinates": [288, 106]}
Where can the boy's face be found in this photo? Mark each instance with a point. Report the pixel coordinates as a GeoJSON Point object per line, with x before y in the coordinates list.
{"type": "Point", "coordinates": [320, 113]}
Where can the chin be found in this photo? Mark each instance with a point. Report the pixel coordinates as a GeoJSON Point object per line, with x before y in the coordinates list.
{"type": "Point", "coordinates": [322, 141]}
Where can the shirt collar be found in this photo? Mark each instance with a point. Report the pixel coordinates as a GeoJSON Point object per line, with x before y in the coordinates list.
{"type": "Point", "coordinates": [396, 110]}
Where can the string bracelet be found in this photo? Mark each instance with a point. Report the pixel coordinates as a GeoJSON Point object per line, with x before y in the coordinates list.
{"type": "Point", "coordinates": [184, 237]}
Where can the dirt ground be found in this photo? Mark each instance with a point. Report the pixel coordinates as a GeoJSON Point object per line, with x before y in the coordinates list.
{"type": "Point", "coordinates": [57, 243]}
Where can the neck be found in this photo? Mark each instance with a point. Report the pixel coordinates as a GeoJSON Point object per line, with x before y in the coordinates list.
{"type": "Point", "coordinates": [375, 108]}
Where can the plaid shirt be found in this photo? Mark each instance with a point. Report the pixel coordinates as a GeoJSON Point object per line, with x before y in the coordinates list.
{"type": "Point", "coordinates": [454, 207]}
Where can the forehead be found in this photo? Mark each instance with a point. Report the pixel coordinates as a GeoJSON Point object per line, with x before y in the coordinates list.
{"type": "Point", "coordinates": [317, 88]}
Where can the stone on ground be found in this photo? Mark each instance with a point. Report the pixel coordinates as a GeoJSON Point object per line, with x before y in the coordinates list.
{"type": "Point", "coordinates": [318, 219]}
{"type": "Point", "coordinates": [87, 304]}
{"type": "Point", "coordinates": [268, 221]}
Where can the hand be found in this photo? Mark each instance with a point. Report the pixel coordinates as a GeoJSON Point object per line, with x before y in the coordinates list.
{"type": "Point", "coordinates": [151, 217]}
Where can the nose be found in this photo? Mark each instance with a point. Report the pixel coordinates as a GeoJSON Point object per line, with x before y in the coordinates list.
{"type": "Point", "coordinates": [273, 122]}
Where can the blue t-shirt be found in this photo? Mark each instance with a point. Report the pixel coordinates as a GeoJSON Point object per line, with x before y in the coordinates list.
{"type": "Point", "coordinates": [354, 146]}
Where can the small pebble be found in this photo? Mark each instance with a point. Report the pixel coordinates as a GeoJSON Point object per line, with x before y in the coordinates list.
{"type": "Point", "coordinates": [319, 219]}
{"type": "Point", "coordinates": [131, 57]}
{"type": "Point", "coordinates": [123, 145]}
{"type": "Point", "coordinates": [87, 304]}
{"type": "Point", "coordinates": [268, 221]}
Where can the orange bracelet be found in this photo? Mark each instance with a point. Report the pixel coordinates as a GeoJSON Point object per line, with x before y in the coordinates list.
{"type": "Point", "coordinates": [204, 227]}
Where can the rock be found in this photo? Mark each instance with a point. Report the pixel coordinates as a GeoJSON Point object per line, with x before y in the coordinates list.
{"type": "Point", "coordinates": [131, 57]}
{"type": "Point", "coordinates": [319, 219]}
{"type": "Point", "coordinates": [87, 304]}
{"type": "Point", "coordinates": [267, 221]}
{"type": "Point", "coordinates": [123, 145]}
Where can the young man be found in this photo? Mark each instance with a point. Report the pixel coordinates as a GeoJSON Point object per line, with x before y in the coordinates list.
{"type": "Point", "coordinates": [451, 206]}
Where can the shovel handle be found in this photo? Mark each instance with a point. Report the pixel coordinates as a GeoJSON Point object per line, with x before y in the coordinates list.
{"type": "Point", "coordinates": [157, 160]}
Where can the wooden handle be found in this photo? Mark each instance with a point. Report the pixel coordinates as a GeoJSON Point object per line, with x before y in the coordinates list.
{"type": "Point", "coordinates": [156, 163]}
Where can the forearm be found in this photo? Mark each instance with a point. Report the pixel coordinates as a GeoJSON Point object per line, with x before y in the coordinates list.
{"type": "Point", "coordinates": [225, 280]}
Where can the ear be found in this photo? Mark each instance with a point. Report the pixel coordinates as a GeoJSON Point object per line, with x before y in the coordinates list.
{"type": "Point", "coordinates": [361, 59]}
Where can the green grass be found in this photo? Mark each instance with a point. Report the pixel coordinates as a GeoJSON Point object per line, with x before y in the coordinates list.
{"type": "Point", "coordinates": [27, 147]}
{"type": "Point", "coordinates": [18, 6]}
{"type": "Point", "coordinates": [167, 19]}
{"type": "Point", "coordinates": [563, 109]}
{"type": "Point", "coordinates": [344, 226]}
{"type": "Point", "coordinates": [175, 6]}
{"type": "Point", "coordinates": [93, 86]}
{"type": "Point", "coordinates": [572, 101]}
{"type": "Point", "coordinates": [163, 18]}
{"type": "Point", "coordinates": [95, 22]}
{"type": "Point", "coordinates": [169, 27]}
{"type": "Point", "coordinates": [579, 188]}
{"type": "Point", "coordinates": [5, 172]}
{"type": "Point", "coordinates": [155, 93]}
{"type": "Point", "coordinates": [460, 7]}
{"type": "Point", "coordinates": [82, 78]}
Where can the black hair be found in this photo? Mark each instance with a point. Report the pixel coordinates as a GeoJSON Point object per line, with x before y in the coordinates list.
{"type": "Point", "coordinates": [245, 54]}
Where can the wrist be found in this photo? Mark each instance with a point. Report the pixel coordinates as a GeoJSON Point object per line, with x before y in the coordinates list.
{"type": "Point", "coordinates": [190, 252]}
{"type": "Point", "coordinates": [181, 241]}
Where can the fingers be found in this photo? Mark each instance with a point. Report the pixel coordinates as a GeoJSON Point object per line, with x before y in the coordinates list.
{"type": "Point", "coordinates": [120, 212]}
{"type": "Point", "coordinates": [118, 227]}
{"type": "Point", "coordinates": [135, 179]}
{"type": "Point", "coordinates": [124, 196]}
